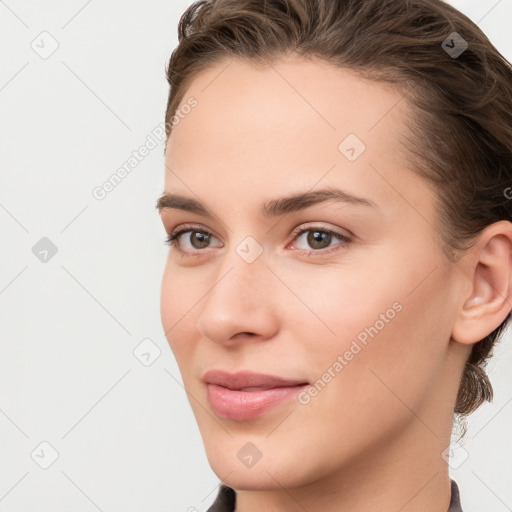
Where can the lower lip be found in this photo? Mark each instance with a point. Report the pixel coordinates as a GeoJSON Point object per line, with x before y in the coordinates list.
{"type": "Point", "coordinates": [246, 405]}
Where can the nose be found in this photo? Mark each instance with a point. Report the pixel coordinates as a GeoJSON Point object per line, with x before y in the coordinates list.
{"type": "Point", "coordinates": [239, 303]}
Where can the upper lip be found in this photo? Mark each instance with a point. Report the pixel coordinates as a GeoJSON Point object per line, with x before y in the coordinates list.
{"type": "Point", "coordinates": [247, 379]}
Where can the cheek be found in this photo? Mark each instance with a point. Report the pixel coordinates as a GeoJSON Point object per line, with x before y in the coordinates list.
{"type": "Point", "coordinates": [384, 321]}
{"type": "Point", "coordinates": [168, 302]}
{"type": "Point", "coordinates": [179, 294]}
{"type": "Point", "coordinates": [387, 368]}
{"type": "Point", "coordinates": [344, 302]}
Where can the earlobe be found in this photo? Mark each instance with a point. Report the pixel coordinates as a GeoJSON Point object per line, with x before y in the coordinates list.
{"type": "Point", "coordinates": [489, 300]}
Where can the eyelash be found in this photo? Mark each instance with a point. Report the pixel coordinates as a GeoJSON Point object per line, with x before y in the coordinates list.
{"type": "Point", "coordinates": [171, 240]}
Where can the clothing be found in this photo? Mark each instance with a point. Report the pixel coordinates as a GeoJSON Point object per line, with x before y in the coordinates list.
{"type": "Point", "coordinates": [226, 500]}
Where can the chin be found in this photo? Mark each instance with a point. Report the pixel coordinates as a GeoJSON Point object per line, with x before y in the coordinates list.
{"type": "Point", "coordinates": [268, 472]}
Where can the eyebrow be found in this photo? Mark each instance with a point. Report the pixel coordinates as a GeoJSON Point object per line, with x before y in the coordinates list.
{"type": "Point", "coordinates": [271, 208]}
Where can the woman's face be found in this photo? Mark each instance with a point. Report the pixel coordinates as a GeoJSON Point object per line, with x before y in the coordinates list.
{"type": "Point", "coordinates": [360, 306]}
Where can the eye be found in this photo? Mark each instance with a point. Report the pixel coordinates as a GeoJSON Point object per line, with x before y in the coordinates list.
{"type": "Point", "coordinates": [319, 238]}
{"type": "Point", "coordinates": [197, 239]}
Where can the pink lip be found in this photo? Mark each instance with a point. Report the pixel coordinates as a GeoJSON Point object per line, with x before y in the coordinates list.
{"type": "Point", "coordinates": [246, 395]}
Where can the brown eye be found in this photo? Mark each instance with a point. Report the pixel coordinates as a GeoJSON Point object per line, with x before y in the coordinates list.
{"type": "Point", "coordinates": [196, 240]}
{"type": "Point", "coordinates": [199, 239]}
{"type": "Point", "coordinates": [318, 239]}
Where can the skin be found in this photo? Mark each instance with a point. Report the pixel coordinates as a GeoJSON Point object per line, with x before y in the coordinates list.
{"type": "Point", "coordinates": [373, 437]}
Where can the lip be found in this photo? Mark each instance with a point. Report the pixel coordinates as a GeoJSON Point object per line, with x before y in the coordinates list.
{"type": "Point", "coordinates": [246, 379]}
{"type": "Point", "coordinates": [246, 395]}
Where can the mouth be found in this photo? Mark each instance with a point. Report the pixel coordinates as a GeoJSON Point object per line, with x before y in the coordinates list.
{"type": "Point", "coordinates": [245, 395]}
{"type": "Point", "coordinates": [246, 380]}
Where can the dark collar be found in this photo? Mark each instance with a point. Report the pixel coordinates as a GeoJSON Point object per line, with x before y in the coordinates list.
{"type": "Point", "coordinates": [226, 500]}
{"type": "Point", "coordinates": [455, 501]}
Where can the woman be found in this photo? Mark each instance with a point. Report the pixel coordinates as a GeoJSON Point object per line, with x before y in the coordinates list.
{"type": "Point", "coordinates": [340, 236]}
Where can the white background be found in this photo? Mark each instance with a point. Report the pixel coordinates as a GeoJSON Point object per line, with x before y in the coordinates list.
{"type": "Point", "coordinates": [124, 432]}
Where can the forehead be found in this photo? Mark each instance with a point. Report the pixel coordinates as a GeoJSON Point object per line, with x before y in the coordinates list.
{"type": "Point", "coordinates": [290, 97]}
{"type": "Point", "coordinates": [289, 123]}
{"type": "Point", "coordinates": [310, 90]}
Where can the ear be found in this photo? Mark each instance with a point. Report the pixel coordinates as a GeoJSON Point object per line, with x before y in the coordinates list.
{"type": "Point", "coordinates": [489, 270]}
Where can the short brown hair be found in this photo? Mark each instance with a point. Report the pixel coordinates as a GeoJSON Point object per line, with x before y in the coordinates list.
{"type": "Point", "coordinates": [461, 121]}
